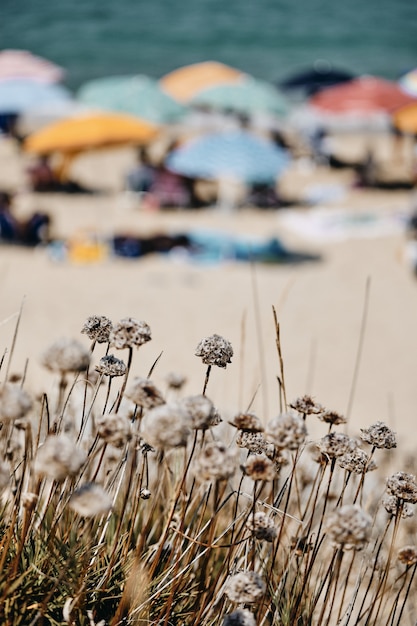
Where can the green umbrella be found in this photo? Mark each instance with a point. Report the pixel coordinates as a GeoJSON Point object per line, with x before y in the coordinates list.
{"type": "Point", "coordinates": [137, 95]}
{"type": "Point", "coordinates": [249, 96]}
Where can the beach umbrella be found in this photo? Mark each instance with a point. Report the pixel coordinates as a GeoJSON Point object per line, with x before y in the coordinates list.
{"type": "Point", "coordinates": [365, 96]}
{"type": "Point", "coordinates": [312, 80]}
{"type": "Point", "coordinates": [408, 83]}
{"type": "Point", "coordinates": [19, 95]}
{"type": "Point", "coordinates": [22, 64]}
{"type": "Point", "coordinates": [405, 119]}
{"type": "Point", "coordinates": [236, 154]}
{"type": "Point", "coordinates": [185, 82]}
{"type": "Point", "coordinates": [137, 95]}
{"type": "Point", "coordinates": [248, 96]}
{"type": "Point", "coordinates": [88, 132]}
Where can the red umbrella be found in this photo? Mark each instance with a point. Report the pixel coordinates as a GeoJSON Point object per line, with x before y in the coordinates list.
{"type": "Point", "coordinates": [366, 95]}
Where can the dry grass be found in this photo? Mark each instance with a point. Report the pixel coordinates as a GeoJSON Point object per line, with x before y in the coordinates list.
{"type": "Point", "coordinates": [163, 514]}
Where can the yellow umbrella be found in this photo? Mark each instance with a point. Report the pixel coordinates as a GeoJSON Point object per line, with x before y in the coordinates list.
{"type": "Point", "coordinates": [77, 134]}
{"type": "Point", "coordinates": [185, 82]}
{"type": "Point", "coordinates": [405, 119]}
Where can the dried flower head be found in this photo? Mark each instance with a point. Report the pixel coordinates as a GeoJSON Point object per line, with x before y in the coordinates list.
{"type": "Point", "coordinates": [202, 411]}
{"type": "Point", "coordinates": [110, 365]}
{"type": "Point", "coordinates": [334, 445]}
{"type": "Point", "coordinates": [89, 500]}
{"type": "Point", "coordinates": [408, 555]}
{"type": "Point", "coordinates": [215, 350]}
{"type": "Point", "coordinates": [129, 333]}
{"type": "Point", "coordinates": [58, 457]}
{"type": "Point", "coordinates": [287, 430]}
{"type": "Point", "coordinates": [260, 467]}
{"type": "Point", "coordinates": [66, 355]}
{"type": "Point", "coordinates": [262, 526]}
{"type": "Point", "coordinates": [97, 328]}
{"type": "Point", "coordinates": [349, 527]}
{"type": "Point", "coordinates": [255, 442]}
{"type": "Point", "coordinates": [215, 462]}
{"type": "Point", "coordinates": [240, 617]}
{"type": "Point", "coordinates": [403, 486]}
{"type": "Point", "coordinates": [145, 494]}
{"type": "Point", "coordinates": [114, 429]}
{"type": "Point", "coordinates": [356, 461]}
{"type": "Point", "coordinates": [15, 402]}
{"type": "Point", "coordinates": [379, 436]}
{"type": "Point", "coordinates": [144, 393]}
{"type": "Point", "coordinates": [307, 406]}
{"type": "Point", "coordinates": [332, 417]}
{"type": "Point", "coordinates": [245, 587]}
{"type": "Point", "coordinates": [167, 426]}
{"type": "Point", "coordinates": [248, 422]}
{"type": "Point", "coordinates": [395, 506]}
{"type": "Point", "coordinates": [175, 380]}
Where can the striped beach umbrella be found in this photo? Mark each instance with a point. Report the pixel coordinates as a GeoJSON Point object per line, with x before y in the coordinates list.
{"type": "Point", "coordinates": [22, 64]}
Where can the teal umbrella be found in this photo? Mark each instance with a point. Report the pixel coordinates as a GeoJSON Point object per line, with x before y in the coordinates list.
{"type": "Point", "coordinates": [249, 96]}
{"type": "Point", "coordinates": [137, 95]}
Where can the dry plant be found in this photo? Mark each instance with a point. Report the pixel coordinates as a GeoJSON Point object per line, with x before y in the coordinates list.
{"type": "Point", "coordinates": [122, 503]}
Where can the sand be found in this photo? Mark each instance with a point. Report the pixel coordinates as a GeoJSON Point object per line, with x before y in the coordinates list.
{"type": "Point", "coordinates": [319, 305]}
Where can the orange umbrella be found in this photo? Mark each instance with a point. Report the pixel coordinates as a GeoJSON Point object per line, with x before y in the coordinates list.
{"type": "Point", "coordinates": [365, 95]}
{"type": "Point", "coordinates": [405, 119]}
{"type": "Point", "coordinates": [77, 134]}
{"type": "Point", "coordinates": [185, 82]}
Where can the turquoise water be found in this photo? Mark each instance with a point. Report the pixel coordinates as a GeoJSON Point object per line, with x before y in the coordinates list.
{"type": "Point", "coordinates": [268, 38]}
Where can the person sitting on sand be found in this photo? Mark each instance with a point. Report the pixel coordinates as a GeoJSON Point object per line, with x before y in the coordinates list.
{"type": "Point", "coordinates": [10, 227]}
{"type": "Point", "coordinates": [30, 232]}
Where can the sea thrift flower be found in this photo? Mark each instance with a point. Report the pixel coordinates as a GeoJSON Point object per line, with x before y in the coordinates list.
{"type": "Point", "coordinates": [97, 328]}
{"type": "Point", "coordinates": [144, 393]}
{"type": "Point", "coordinates": [215, 350]}
{"type": "Point", "coordinates": [15, 402]}
{"type": "Point", "coordinates": [248, 422]}
{"type": "Point", "coordinates": [379, 436]}
{"type": "Point", "coordinates": [259, 467]}
{"type": "Point", "coordinates": [175, 381]}
{"type": "Point", "coordinates": [332, 417]}
{"type": "Point", "coordinates": [202, 411]}
{"type": "Point", "coordinates": [255, 442]}
{"type": "Point", "coordinates": [111, 366]}
{"type": "Point", "coordinates": [113, 428]}
{"type": "Point", "coordinates": [262, 526]}
{"type": "Point", "coordinates": [58, 457]}
{"type": "Point", "coordinates": [89, 500]}
{"type": "Point", "coordinates": [66, 355]}
{"type": "Point", "coordinates": [307, 406]}
{"type": "Point", "coordinates": [245, 587]}
{"type": "Point", "coordinates": [128, 333]}
{"type": "Point", "coordinates": [356, 461]}
{"type": "Point", "coordinates": [336, 444]}
{"type": "Point", "coordinates": [240, 617]}
{"type": "Point", "coordinates": [215, 462]}
{"type": "Point", "coordinates": [145, 494]}
{"type": "Point", "coordinates": [408, 555]}
{"type": "Point", "coordinates": [288, 430]}
{"type": "Point", "coordinates": [349, 527]}
{"type": "Point", "coordinates": [403, 486]}
{"type": "Point", "coordinates": [394, 506]}
{"type": "Point", "coordinates": [167, 426]}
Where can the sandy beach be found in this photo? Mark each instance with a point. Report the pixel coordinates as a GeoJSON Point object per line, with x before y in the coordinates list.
{"type": "Point", "coordinates": [360, 235]}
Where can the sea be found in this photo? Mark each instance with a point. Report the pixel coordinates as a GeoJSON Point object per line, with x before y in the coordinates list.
{"type": "Point", "coordinates": [270, 39]}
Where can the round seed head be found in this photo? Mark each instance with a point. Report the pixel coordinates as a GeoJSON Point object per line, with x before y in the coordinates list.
{"type": "Point", "coordinates": [262, 526]}
{"type": "Point", "coordinates": [175, 380]}
{"type": "Point", "coordinates": [288, 430]}
{"type": "Point", "coordinates": [58, 457]}
{"type": "Point", "coordinates": [66, 355]}
{"type": "Point", "coordinates": [111, 366]}
{"type": "Point", "coordinates": [255, 442]}
{"type": "Point", "coordinates": [245, 587]}
{"type": "Point", "coordinates": [129, 333]}
{"type": "Point", "coordinates": [240, 617]}
{"type": "Point", "coordinates": [215, 462]}
{"type": "Point", "coordinates": [202, 412]}
{"type": "Point", "coordinates": [90, 500]}
{"type": "Point", "coordinates": [144, 393]}
{"type": "Point", "coordinates": [15, 402]}
{"type": "Point", "coordinates": [167, 426]}
{"type": "Point", "coordinates": [349, 527]}
{"type": "Point", "coordinates": [408, 555]}
{"type": "Point", "coordinates": [307, 406]}
{"type": "Point", "coordinates": [332, 417]}
{"type": "Point", "coordinates": [215, 350]}
{"type": "Point", "coordinates": [379, 436]}
{"type": "Point", "coordinates": [97, 328]}
{"type": "Point", "coordinates": [248, 422]}
{"type": "Point", "coordinates": [259, 467]}
{"type": "Point", "coordinates": [403, 486]}
{"type": "Point", "coordinates": [114, 429]}
{"type": "Point", "coordinates": [334, 445]}
{"type": "Point", "coordinates": [395, 506]}
{"type": "Point", "coordinates": [356, 461]}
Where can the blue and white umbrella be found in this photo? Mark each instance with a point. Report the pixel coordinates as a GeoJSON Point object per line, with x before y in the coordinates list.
{"type": "Point", "coordinates": [235, 154]}
{"type": "Point", "coordinates": [20, 95]}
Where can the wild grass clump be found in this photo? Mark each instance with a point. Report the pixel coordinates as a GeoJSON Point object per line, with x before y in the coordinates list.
{"type": "Point", "coordinates": [125, 503]}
